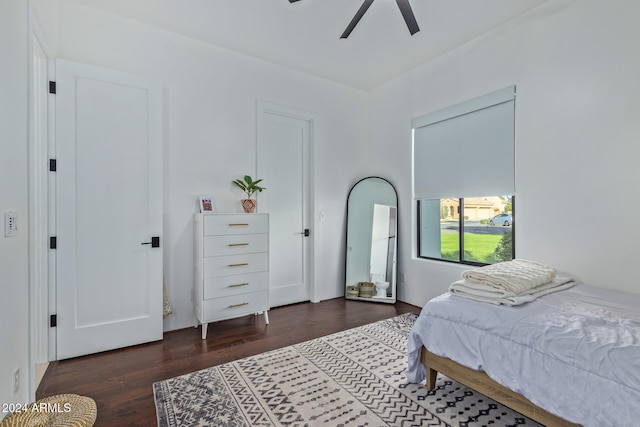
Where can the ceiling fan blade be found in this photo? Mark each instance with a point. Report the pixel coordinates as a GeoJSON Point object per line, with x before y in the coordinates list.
{"type": "Point", "coordinates": [409, 17]}
{"type": "Point", "coordinates": [356, 18]}
{"type": "Point", "coordinates": [293, 1]}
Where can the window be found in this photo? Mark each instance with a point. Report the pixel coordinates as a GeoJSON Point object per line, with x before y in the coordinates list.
{"type": "Point", "coordinates": [473, 230]}
{"type": "Point", "coordinates": [461, 152]}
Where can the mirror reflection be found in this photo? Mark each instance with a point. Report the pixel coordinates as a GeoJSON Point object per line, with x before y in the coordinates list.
{"type": "Point", "coordinates": [372, 220]}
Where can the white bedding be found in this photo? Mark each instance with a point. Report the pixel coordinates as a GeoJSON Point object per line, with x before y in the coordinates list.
{"type": "Point", "coordinates": [575, 353]}
{"type": "Point", "coordinates": [487, 293]}
{"type": "Point", "coordinates": [515, 276]}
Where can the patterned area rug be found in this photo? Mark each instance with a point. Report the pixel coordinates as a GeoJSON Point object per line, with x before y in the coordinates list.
{"type": "Point", "coordinates": [351, 378]}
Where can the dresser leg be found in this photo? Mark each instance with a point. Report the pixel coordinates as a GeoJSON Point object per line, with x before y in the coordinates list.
{"type": "Point", "coordinates": [266, 317]}
{"type": "Point", "coordinates": [204, 331]}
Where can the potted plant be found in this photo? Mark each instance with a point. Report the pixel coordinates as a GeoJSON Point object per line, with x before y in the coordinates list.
{"type": "Point", "coordinates": [249, 186]}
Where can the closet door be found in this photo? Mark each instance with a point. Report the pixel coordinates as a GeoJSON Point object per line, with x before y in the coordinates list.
{"type": "Point", "coordinates": [108, 209]}
{"type": "Point", "coordinates": [283, 163]}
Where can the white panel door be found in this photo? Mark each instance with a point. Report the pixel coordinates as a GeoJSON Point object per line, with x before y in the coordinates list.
{"type": "Point", "coordinates": [283, 163]}
{"type": "Point", "coordinates": [108, 206]}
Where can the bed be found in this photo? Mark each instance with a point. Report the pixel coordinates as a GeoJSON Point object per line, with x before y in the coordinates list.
{"type": "Point", "coordinates": [567, 358]}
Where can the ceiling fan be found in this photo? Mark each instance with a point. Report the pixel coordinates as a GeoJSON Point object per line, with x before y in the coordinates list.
{"type": "Point", "coordinates": [405, 9]}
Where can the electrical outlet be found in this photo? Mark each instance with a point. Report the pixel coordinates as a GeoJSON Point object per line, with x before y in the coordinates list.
{"type": "Point", "coordinates": [10, 224]}
{"type": "Point", "coordinates": [16, 381]}
{"type": "Point", "coordinates": [402, 278]}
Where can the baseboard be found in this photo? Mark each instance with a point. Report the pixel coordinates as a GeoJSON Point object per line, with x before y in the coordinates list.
{"type": "Point", "coordinates": [41, 369]}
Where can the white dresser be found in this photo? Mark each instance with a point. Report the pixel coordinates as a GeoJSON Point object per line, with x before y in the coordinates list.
{"type": "Point", "coordinates": [231, 266]}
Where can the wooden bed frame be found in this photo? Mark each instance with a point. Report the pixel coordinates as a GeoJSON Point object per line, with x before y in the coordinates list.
{"type": "Point", "coordinates": [480, 382]}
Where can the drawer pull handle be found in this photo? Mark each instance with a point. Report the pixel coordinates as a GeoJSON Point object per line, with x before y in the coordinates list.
{"type": "Point", "coordinates": [239, 265]}
{"type": "Point", "coordinates": [238, 305]}
{"type": "Point", "coordinates": [238, 225]}
{"type": "Point", "coordinates": [238, 285]}
{"type": "Point", "coordinates": [238, 244]}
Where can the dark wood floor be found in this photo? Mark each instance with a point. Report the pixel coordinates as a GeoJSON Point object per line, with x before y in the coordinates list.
{"type": "Point", "coordinates": [120, 381]}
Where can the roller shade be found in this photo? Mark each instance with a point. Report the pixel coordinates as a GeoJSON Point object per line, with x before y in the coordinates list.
{"type": "Point", "coordinates": [466, 150]}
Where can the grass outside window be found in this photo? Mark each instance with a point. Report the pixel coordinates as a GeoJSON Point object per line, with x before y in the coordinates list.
{"type": "Point", "coordinates": [478, 247]}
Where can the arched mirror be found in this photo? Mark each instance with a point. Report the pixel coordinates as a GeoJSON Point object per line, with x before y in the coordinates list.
{"type": "Point", "coordinates": [372, 223]}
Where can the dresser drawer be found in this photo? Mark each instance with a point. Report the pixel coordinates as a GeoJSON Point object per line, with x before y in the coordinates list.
{"type": "Point", "coordinates": [235, 264]}
{"type": "Point", "coordinates": [217, 287]}
{"type": "Point", "coordinates": [221, 224]}
{"type": "Point", "coordinates": [235, 244]}
{"type": "Point", "coordinates": [235, 305]}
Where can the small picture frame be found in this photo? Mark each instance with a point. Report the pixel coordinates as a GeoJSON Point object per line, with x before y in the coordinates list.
{"type": "Point", "coordinates": [206, 204]}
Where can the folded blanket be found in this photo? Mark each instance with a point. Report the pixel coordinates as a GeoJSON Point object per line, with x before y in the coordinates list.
{"type": "Point", "coordinates": [487, 293]}
{"type": "Point", "coordinates": [516, 276]}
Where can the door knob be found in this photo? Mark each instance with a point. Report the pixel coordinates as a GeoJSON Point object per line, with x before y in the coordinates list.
{"type": "Point", "coordinates": [155, 242]}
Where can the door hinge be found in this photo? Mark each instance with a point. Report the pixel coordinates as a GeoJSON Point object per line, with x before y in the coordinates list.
{"type": "Point", "coordinates": [52, 87]}
{"type": "Point", "coordinates": [53, 165]}
{"type": "Point", "coordinates": [53, 242]}
{"type": "Point", "coordinates": [307, 232]}
{"type": "Point", "coordinates": [53, 320]}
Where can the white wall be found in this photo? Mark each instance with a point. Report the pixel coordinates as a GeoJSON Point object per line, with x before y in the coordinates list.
{"type": "Point", "coordinates": [210, 133]}
{"type": "Point", "coordinates": [576, 68]}
{"type": "Point", "coordinates": [14, 320]}
{"type": "Point", "coordinates": [45, 15]}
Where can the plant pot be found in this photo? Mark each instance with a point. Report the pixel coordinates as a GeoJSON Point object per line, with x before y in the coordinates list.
{"type": "Point", "coordinates": [249, 205]}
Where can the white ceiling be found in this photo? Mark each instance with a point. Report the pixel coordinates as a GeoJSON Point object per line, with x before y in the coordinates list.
{"type": "Point", "coordinates": [305, 35]}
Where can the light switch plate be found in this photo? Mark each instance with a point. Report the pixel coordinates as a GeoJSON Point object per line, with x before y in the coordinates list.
{"type": "Point", "coordinates": [10, 223]}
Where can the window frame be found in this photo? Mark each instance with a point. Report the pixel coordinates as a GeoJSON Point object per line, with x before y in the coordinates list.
{"type": "Point", "coordinates": [460, 260]}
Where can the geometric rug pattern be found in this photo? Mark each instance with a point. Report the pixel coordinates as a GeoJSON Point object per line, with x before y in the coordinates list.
{"type": "Point", "coordinates": [350, 378]}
